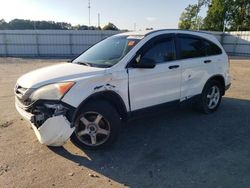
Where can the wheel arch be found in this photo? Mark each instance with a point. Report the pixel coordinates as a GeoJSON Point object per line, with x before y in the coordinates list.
{"type": "Point", "coordinates": [110, 96]}
{"type": "Point", "coordinates": [218, 78]}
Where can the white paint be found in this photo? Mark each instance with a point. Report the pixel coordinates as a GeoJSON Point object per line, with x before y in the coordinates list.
{"type": "Point", "coordinates": [57, 73]}
{"type": "Point", "coordinates": [150, 87]}
{"type": "Point", "coordinates": [55, 131]}
{"type": "Point", "coordinates": [86, 86]}
{"type": "Point", "coordinates": [27, 116]}
{"type": "Point", "coordinates": [147, 87]}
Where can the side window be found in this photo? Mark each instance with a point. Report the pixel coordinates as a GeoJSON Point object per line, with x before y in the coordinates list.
{"type": "Point", "coordinates": [191, 47]}
{"type": "Point", "coordinates": [162, 51]}
{"type": "Point", "coordinates": [212, 49]}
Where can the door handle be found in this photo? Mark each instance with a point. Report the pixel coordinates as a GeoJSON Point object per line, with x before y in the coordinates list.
{"type": "Point", "coordinates": [207, 61]}
{"type": "Point", "coordinates": [174, 66]}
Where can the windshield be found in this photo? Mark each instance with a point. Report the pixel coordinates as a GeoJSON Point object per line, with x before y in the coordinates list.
{"type": "Point", "coordinates": [107, 52]}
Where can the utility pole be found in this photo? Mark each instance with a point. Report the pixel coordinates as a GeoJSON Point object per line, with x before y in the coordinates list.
{"type": "Point", "coordinates": [224, 26]}
{"type": "Point", "coordinates": [89, 12]}
{"type": "Point", "coordinates": [197, 15]}
{"type": "Point", "coordinates": [99, 24]}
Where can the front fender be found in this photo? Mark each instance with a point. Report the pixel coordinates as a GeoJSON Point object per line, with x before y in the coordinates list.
{"type": "Point", "coordinates": [88, 87]}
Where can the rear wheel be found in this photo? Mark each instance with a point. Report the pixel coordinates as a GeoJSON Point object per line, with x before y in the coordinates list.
{"type": "Point", "coordinates": [211, 97]}
{"type": "Point", "coordinates": [97, 126]}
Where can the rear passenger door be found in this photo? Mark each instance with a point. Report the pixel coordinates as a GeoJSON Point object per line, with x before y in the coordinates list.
{"type": "Point", "coordinates": [197, 65]}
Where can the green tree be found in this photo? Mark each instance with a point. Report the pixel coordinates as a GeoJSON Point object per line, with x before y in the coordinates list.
{"type": "Point", "coordinates": [228, 14]}
{"type": "Point", "coordinates": [188, 19]}
{"type": "Point", "coordinates": [3, 24]}
{"type": "Point", "coordinates": [202, 3]}
{"type": "Point", "coordinates": [20, 24]}
{"type": "Point", "coordinates": [29, 24]}
{"type": "Point", "coordinates": [240, 15]}
{"type": "Point", "coordinates": [80, 27]}
{"type": "Point", "coordinates": [110, 26]}
{"type": "Point", "coordinates": [218, 15]}
{"type": "Point", "coordinates": [221, 15]}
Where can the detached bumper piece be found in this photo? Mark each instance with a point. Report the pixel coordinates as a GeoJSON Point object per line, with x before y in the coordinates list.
{"type": "Point", "coordinates": [51, 124]}
{"type": "Point", "coordinates": [54, 131]}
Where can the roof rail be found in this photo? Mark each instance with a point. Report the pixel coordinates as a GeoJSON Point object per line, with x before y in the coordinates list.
{"type": "Point", "coordinates": [159, 30]}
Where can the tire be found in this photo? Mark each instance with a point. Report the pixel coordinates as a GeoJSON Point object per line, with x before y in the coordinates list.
{"type": "Point", "coordinates": [97, 126]}
{"type": "Point", "coordinates": [210, 99]}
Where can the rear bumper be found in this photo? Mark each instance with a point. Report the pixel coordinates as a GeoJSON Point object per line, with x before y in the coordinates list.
{"type": "Point", "coordinates": [55, 131]}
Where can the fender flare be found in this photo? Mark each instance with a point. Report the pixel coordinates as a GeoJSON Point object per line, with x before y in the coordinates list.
{"type": "Point", "coordinates": [108, 95]}
{"type": "Point", "coordinates": [219, 78]}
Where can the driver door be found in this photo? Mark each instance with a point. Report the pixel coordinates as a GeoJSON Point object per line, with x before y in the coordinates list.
{"type": "Point", "coordinates": [159, 84]}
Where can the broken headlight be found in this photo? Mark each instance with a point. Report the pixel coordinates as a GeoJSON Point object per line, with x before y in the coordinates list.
{"type": "Point", "coordinates": [51, 92]}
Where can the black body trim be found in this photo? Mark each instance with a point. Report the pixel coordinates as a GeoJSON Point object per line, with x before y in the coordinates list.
{"type": "Point", "coordinates": [160, 107]}
{"type": "Point", "coordinates": [108, 95]}
{"type": "Point", "coordinates": [152, 109]}
{"type": "Point", "coordinates": [227, 87]}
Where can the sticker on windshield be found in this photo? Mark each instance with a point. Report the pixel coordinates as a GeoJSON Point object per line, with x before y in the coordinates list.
{"type": "Point", "coordinates": [131, 43]}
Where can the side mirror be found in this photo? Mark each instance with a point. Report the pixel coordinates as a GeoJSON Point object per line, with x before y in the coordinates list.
{"type": "Point", "coordinates": [144, 63]}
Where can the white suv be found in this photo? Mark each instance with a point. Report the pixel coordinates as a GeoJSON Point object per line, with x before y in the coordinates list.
{"type": "Point", "coordinates": [88, 98]}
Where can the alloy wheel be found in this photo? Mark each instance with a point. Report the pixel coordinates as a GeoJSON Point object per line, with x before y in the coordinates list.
{"type": "Point", "coordinates": [92, 129]}
{"type": "Point", "coordinates": [213, 97]}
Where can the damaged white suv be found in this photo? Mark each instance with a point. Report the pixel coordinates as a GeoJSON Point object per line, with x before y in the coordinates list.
{"type": "Point", "coordinates": [88, 98]}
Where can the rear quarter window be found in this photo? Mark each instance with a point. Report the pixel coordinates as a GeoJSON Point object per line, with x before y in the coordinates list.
{"type": "Point", "coordinates": [212, 49]}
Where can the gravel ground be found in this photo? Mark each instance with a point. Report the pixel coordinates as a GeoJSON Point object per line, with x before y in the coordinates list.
{"type": "Point", "coordinates": [174, 148]}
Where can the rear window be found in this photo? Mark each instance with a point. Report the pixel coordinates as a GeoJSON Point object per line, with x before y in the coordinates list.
{"type": "Point", "coordinates": [191, 47]}
{"type": "Point", "coordinates": [212, 49]}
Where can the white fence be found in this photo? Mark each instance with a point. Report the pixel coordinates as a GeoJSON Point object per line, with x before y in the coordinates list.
{"type": "Point", "coordinates": [63, 43]}
{"type": "Point", "coordinates": [237, 43]}
{"type": "Point", "coordinates": [48, 43]}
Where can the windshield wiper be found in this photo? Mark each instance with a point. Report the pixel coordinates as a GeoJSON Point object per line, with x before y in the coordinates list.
{"type": "Point", "coordinates": [84, 63]}
{"type": "Point", "coordinates": [94, 65]}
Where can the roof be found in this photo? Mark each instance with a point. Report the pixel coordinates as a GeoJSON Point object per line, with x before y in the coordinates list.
{"type": "Point", "coordinates": [149, 32]}
{"type": "Point", "coordinates": [135, 33]}
{"type": "Point", "coordinates": [205, 34]}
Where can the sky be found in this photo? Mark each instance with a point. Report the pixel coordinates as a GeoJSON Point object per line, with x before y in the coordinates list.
{"type": "Point", "coordinates": [125, 14]}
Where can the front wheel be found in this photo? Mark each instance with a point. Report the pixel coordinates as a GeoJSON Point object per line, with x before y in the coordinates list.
{"type": "Point", "coordinates": [97, 126]}
{"type": "Point", "coordinates": [211, 97]}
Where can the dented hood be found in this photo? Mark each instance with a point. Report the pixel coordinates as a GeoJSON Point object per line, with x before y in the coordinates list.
{"type": "Point", "coordinates": [57, 73]}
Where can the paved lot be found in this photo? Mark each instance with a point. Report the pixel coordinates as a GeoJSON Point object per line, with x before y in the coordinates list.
{"type": "Point", "coordinates": [174, 148]}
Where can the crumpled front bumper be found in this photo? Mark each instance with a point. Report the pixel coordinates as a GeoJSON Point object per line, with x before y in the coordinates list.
{"type": "Point", "coordinates": [55, 131]}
